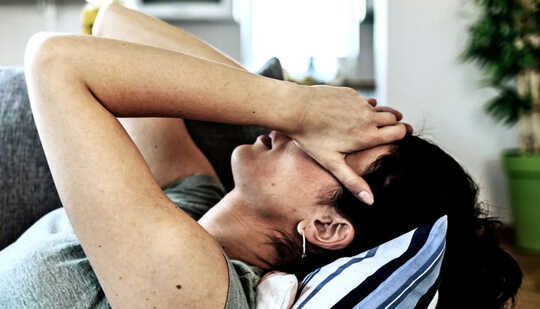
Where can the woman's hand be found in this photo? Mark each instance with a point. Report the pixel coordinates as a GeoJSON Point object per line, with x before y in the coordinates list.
{"type": "Point", "coordinates": [336, 121]}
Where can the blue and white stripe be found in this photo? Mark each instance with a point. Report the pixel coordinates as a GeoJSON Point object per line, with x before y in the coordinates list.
{"type": "Point", "coordinates": [396, 285]}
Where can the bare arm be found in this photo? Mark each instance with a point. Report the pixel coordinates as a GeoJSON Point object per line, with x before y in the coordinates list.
{"type": "Point", "coordinates": [134, 80]}
{"type": "Point", "coordinates": [144, 250]}
{"type": "Point", "coordinates": [118, 22]}
{"type": "Point", "coordinates": [127, 21]}
{"type": "Point", "coordinates": [165, 143]}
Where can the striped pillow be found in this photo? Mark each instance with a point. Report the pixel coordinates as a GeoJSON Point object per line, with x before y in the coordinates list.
{"type": "Point", "coordinates": [401, 273]}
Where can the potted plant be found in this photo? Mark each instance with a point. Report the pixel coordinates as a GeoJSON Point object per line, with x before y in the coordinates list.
{"type": "Point", "coordinates": [505, 42]}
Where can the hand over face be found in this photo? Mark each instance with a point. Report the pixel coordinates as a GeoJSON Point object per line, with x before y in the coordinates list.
{"type": "Point", "coordinates": [337, 121]}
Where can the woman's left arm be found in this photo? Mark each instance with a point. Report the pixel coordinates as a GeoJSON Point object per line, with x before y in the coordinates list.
{"type": "Point", "coordinates": [144, 250]}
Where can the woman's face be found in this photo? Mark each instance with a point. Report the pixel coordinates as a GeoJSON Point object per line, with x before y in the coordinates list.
{"type": "Point", "coordinates": [284, 182]}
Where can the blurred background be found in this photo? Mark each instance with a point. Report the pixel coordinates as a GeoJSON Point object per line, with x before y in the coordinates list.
{"type": "Point", "coordinates": [405, 53]}
{"type": "Point", "coordinates": [464, 73]}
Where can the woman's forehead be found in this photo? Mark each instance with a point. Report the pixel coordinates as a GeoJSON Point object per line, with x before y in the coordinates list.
{"type": "Point", "coordinates": [361, 160]}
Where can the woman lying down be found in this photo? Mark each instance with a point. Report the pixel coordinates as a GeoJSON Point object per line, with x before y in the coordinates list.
{"type": "Point", "coordinates": [156, 226]}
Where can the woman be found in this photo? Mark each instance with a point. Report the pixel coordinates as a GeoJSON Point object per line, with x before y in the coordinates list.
{"type": "Point", "coordinates": [146, 253]}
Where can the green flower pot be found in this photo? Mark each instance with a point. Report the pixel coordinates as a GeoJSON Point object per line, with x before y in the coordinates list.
{"type": "Point", "coordinates": [524, 182]}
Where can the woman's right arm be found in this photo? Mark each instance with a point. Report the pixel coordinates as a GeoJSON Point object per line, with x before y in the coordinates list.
{"type": "Point", "coordinates": [118, 22]}
{"type": "Point", "coordinates": [165, 143]}
{"type": "Point", "coordinates": [134, 80]}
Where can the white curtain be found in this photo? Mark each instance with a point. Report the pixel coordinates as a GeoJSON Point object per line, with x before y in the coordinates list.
{"type": "Point", "coordinates": [295, 30]}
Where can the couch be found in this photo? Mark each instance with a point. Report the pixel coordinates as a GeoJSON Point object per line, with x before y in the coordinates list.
{"type": "Point", "coordinates": [27, 190]}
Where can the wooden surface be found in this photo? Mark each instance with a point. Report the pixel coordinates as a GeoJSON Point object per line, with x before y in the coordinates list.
{"type": "Point", "coordinates": [529, 294]}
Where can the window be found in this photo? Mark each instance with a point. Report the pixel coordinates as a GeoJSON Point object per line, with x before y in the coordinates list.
{"type": "Point", "coordinates": [296, 30]}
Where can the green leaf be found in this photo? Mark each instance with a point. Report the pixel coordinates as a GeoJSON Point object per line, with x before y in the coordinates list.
{"type": "Point", "coordinates": [507, 106]}
{"type": "Point", "coordinates": [498, 44]}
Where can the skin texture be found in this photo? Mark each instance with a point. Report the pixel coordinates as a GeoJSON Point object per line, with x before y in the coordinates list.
{"type": "Point", "coordinates": [279, 189]}
{"type": "Point", "coordinates": [139, 244]}
{"type": "Point", "coordinates": [165, 144]}
{"type": "Point", "coordinates": [369, 127]}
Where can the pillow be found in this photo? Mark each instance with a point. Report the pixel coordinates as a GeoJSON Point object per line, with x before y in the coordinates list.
{"type": "Point", "coordinates": [272, 68]}
{"type": "Point", "coordinates": [401, 273]}
{"type": "Point", "coordinates": [276, 290]}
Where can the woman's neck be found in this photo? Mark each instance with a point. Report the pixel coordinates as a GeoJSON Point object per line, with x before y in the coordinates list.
{"type": "Point", "coordinates": [241, 233]}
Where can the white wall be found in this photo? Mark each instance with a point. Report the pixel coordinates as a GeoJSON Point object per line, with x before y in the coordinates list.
{"type": "Point", "coordinates": [418, 72]}
{"type": "Point", "coordinates": [19, 22]}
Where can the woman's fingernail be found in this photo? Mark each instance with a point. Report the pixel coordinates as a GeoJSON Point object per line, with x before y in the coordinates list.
{"type": "Point", "coordinates": [366, 197]}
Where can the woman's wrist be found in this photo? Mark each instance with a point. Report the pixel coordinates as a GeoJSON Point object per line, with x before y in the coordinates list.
{"type": "Point", "coordinates": [288, 107]}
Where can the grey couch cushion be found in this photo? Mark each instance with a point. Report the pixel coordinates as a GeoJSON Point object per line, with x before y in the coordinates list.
{"type": "Point", "coordinates": [27, 189]}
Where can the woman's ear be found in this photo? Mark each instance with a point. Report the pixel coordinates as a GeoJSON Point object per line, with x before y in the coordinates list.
{"type": "Point", "coordinates": [329, 232]}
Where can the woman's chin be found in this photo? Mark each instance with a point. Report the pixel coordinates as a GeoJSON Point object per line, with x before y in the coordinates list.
{"type": "Point", "coordinates": [246, 163]}
{"type": "Point", "coordinates": [246, 153]}
{"type": "Point", "coordinates": [240, 158]}
{"type": "Point", "coordinates": [238, 154]}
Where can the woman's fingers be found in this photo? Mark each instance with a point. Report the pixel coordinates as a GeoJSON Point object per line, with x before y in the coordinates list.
{"type": "Point", "coordinates": [318, 128]}
{"type": "Point", "coordinates": [372, 102]}
{"type": "Point", "coordinates": [385, 119]}
{"type": "Point", "coordinates": [409, 128]}
{"type": "Point", "coordinates": [398, 114]}
{"type": "Point", "coordinates": [350, 179]}
{"type": "Point", "coordinates": [335, 163]}
{"type": "Point", "coordinates": [391, 133]}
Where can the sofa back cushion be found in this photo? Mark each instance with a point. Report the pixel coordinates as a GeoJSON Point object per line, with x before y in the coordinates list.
{"type": "Point", "coordinates": [27, 191]}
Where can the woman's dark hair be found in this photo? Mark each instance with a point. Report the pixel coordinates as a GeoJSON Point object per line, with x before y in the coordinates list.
{"type": "Point", "coordinates": [415, 184]}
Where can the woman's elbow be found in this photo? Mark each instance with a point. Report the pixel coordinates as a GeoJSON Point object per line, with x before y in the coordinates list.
{"type": "Point", "coordinates": [50, 52]}
{"type": "Point", "coordinates": [36, 50]}
{"type": "Point", "coordinates": [48, 63]}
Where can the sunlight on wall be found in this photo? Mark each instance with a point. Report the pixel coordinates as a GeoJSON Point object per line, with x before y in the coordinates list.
{"type": "Point", "coordinates": [295, 30]}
